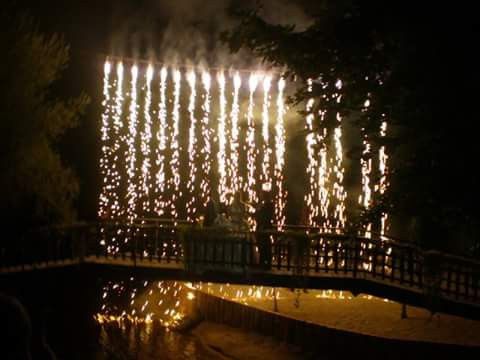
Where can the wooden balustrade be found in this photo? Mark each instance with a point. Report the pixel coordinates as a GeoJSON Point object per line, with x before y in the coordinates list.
{"type": "Point", "coordinates": [295, 251]}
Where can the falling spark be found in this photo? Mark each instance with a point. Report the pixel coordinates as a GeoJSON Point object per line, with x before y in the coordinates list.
{"type": "Point", "coordinates": [234, 173]}
{"type": "Point", "coordinates": [117, 209]}
{"type": "Point", "coordinates": [146, 138]}
{"type": "Point", "coordinates": [383, 183]}
{"type": "Point", "coordinates": [222, 141]}
{"type": "Point", "coordinates": [174, 145]}
{"type": "Point", "coordinates": [131, 152]}
{"type": "Point", "coordinates": [312, 168]}
{"type": "Point", "coordinates": [192, 148]}
{"type": "Point", "coordinates": [251, 152]}
{"type": "Point", "coordinates": [280, 157]}
{"type": "Point", "coordinates": [323, 176]}
{"type": "Point", "coordinates": [160, 178]}
{"type": "Point", "coordinates": [266, 176]}
{"type": "Point", "coordinates": [339, 171]}
{"type": "Point", "coordinates": [365, 198]}
{"type": "Point", "coordinates": [207, 146]}
{"type": "Point", "coordinates": [105, 161]}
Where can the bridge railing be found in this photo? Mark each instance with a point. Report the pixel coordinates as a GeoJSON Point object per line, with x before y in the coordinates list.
{"type": "Point", "coordinates": [293, 251]}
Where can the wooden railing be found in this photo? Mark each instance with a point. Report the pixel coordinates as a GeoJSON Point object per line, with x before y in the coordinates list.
{"type": "Point", "coordinates": [292, 252]}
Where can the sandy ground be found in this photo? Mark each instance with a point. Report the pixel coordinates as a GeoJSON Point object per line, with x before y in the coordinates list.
{"type": "Point", "coordinates": [238, 344]}
{"type": "Point", "coordinates": [362, 314]}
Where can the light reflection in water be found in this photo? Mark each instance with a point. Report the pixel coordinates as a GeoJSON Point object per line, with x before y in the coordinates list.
{"type": "Point", "coordinates": [147, 342]}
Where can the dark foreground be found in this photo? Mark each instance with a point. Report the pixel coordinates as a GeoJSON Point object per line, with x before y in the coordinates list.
{"type": "Point", "coordinates": [61, 304]}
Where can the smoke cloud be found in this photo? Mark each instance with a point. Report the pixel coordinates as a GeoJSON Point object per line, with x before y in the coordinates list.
{"type": "Point", "coordinates": [187, 31]}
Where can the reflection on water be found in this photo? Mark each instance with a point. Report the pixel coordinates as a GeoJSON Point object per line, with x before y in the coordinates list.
{"type": "Point", "coordinates": [147, 342]}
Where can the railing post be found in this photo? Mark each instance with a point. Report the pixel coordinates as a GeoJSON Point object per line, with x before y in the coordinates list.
{"type": "Point", "coordinates": [374, 258]}
{"type": "Point", "coordinates": [335, 257]}
{"type": "Point", "coordinates": [384, 262]}
{"type": "Point", "coordinates": [355, 256]}
{"type": "Point", "coordinates": [244, 254]}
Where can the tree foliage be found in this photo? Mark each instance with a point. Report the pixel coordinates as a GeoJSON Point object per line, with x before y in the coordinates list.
{"type": "Point", "coordinates": [414, 64]}
{"type": "Point", "coordinates": [36, 186]}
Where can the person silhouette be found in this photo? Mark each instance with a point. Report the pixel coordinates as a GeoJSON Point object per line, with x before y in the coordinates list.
{"type": "Point", "coordinates": [211, 211]}
{"type": "Point", "coordinates": [264, 217]}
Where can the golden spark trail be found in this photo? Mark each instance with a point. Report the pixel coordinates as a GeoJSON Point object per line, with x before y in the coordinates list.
{"type": "Point", "coordinates": [266, 176]}
{"type": "Point", "coordinates": [222, 141]}
{"type": "Point", "coordinates": [192, 148]}
{"type": "Point", "coordinates": [207, 149]}
{"type": "Point", "coordinates": [131, 152]}
{"type": "Point", "coordinates": [175, 147]}
{"type": "Point", "coordinates": [234, 173]}
{"type": "Point", "coordinates": [251, 152]}
{"type": "Point", "coordinates": [146, 140]}
{"type": "Point", "coordinates": [323, 177]}
{"type": "Point", "coordinates": [160, 178]}
{"type": "Point", "coordinates": [383, 183]}
{"type": "Point", "coordinates": [366, 169]}
{"type": "Point", "coordinates": [365, 198]}
{"type": "Point", "coordinates": [280, 157]}
{"type": "Point", "coordinates": [339, 171]}
{"type": "Point", "coordinates": [312, 165]}
{"type": "Point", "coordinates": [106, 166]}
{"type": "Point", "coordinates": [117, 208]}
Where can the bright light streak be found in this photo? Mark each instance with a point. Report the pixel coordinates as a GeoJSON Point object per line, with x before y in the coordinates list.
{"type": "Point", "coordinates": [160, 178]}
{"type": "Point", "coordinates": [192, 148]}
{"type": "Point", "coordinates": [312, 163]}
{"type": "Point", "coordinates": [131, 156]}
{"type": "Point", "coordinates": [207, 146]}
{"type": "Point", "coordinates": [174, 145]}
{"type": "Point", "coordinates": [106, 159]}
{"type": "Point", "coordinates": [383, 183]}
{"type": "Point", "coordinates": [251, 152]}
{"type": "Point", "coordinates": [117, 208]}
{"type": "Point", "coordinates": [339, 191]}
{"type": "Point", "coordinates": [146, 142]}
{"type": "Point", "coordinates": [365, 198]}
{"type": "Point", "coordinates": [223, 169]}
{"type": "Point", "coordinates": [281, 195]}
{"type": "Point", "coordinates": [266, 176]}
{"type": "Point", "coordinates": [234, 173]}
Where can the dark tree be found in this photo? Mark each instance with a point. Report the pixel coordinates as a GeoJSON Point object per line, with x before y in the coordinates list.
{"type": "Point", "coordinates": [416, 66]}
{"type": "Point", "coordinates": [36, 187]}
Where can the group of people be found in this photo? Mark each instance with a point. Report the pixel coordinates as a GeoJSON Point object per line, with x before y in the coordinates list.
{"type": "Point", "coordinates": [235, 218]}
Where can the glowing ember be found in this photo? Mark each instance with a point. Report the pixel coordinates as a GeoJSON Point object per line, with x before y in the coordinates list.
{"type": "Point", "coordinates": [281, 195]}
{"type": "Point", "coordinates": [175, 147]}
{"type": "Point", "coordinates": [207, 146]}
{"type": "Point", "coordinates": [222, 140]}
{"type": "Point", "coordinates": [131, 152]}
{"type": "Point", "coordinates": [160, 178]}
{"type": "Point", "coordinates": [250, 186]}
{"type": "Point", "coordinates": [234, 173]}
{"type": "Point", "coordinates": [192, 149]}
